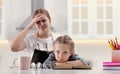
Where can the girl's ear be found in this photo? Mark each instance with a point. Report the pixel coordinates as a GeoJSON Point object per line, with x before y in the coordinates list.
{"type": "Point", "coordinates": [71, 51]}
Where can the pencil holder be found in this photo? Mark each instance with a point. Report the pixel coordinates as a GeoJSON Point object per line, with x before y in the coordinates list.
{"type": "Point", "coordinates": [116, 56]}
{"type": "Point", "coordinates": [119, 47]}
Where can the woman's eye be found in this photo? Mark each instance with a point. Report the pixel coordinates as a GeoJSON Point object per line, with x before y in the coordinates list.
{"type": "Point", "coordinates": [44, 20]}
{"type": "Point", "coordinates": [38, 22]}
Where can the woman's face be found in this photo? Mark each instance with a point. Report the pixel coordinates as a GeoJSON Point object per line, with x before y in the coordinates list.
{"type": "Point", "coordinates": [43, 23]}
{"type": "Point", "coordinates": [62, 52]}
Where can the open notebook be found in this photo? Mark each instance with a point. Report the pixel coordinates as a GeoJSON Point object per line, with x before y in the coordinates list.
{"type": "Point", "coordinates": [70, 67]}
{"type": "Point", "coordinates": [74, 67]}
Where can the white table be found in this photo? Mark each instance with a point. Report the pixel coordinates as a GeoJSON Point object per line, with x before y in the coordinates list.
{"type": "Point", "coordinates": [50, 71]}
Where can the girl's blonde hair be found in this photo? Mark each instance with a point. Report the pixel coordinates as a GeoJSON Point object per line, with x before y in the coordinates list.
{"type": "Point", "coordinates": [64, 40]}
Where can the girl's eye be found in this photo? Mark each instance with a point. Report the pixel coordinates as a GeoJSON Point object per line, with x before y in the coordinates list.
{"type": "Point", "coordinates": [65, 52]}
{"type": "Point", "coordinates": [57, 51]}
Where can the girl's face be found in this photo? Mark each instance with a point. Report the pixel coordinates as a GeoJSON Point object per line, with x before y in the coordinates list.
{"type": "Point", "coordinates": [62, 52]}
{"type": "Point", "coordinates": [43, 23]}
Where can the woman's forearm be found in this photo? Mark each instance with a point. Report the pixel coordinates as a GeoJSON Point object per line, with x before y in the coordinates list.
{"type": "Point", "coordinates": [18, 42]}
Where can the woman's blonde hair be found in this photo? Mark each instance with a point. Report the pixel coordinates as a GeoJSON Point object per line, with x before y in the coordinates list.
{"type": "Point", "coordinates": [43, 11]}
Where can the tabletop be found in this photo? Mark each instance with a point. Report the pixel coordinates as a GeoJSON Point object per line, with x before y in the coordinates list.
{"type": "Point", "coordinates": [51, 71]}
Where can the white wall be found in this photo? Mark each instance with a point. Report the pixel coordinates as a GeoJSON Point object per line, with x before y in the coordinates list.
{"type": "Point", "coordinates": [58, 11]}
{"type": "Point", "coordinates": [14, 13]}
{"type": "Point", "coordinates": [17, 11]}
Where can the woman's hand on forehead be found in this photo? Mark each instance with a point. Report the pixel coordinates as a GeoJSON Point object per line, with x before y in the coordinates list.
{"type": "Point", "coordinates": [41, 16]}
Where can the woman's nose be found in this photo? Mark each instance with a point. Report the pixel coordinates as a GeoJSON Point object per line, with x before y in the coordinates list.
{"type": "Point", "coordinates": [42, 23]}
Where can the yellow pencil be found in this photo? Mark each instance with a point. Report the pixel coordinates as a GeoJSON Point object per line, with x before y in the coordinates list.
{"type": "Point", "coordinates": [111, 46]}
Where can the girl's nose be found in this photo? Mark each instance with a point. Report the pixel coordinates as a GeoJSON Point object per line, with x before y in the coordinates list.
{"type": "Point", "coordinates": [60, 56]}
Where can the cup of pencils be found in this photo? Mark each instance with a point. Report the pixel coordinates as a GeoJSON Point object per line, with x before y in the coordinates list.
{"type": "Point", "coordinates": [116, 56]}
{"type": "Point", "coordinates": [113, 44]}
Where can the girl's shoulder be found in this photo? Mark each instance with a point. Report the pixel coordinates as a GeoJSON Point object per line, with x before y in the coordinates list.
{"type": "Point", "coordinates": [52, 54]}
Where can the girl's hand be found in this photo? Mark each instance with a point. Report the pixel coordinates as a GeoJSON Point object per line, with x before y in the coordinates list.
{"type": "Point", "coordinates": [62, 64]}
{"type": "Point", "coordinates": [75, 63]}
{"type": "Point", "coordinates": [59, 63]}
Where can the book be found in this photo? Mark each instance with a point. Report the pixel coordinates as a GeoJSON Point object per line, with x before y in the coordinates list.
{"type": "Point", "coordinates": [111, 63]}
{"type": "Point", "coordinates": [111, 68]}
{"type": "Point", "coordinates": [68, 66]}
{"type": "Point", "coordinates": [73, 67]}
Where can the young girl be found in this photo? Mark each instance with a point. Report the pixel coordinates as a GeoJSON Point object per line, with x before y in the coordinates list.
{"type": "Point", "coordinates": [63, 54]}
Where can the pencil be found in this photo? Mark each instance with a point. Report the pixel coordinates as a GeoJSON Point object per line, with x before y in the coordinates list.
{"type": "Point", "coordinates": [111, 46]}
{"type": "Point", "coordinates": [116, 42]}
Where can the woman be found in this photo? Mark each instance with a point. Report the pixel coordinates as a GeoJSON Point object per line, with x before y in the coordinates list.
{"type": "Point", "coordinates": [42, 39]}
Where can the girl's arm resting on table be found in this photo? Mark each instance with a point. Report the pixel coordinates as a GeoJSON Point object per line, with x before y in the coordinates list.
{"type": "Point", "coordinates": [70, 63]}
{"type": "Point", "coordinates": [49, 62]}
{"type": "Point", "coordinates": [75, 60]}
{"type": "Point", "coordinates": [75, 63]}
{"type": "Point", "coordinates": [62, 64]}
{"type": "Point", "coordinates": [79, 60]}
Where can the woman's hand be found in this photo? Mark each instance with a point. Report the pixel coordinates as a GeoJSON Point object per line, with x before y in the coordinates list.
{"type": "Point", "coordinates": [34, 21]}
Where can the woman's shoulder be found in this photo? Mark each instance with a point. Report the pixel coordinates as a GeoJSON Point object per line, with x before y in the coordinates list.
{"type": "Point", "coordinates": [31, 35]}
{"type": "Point", "coordinates": [55, 35]}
